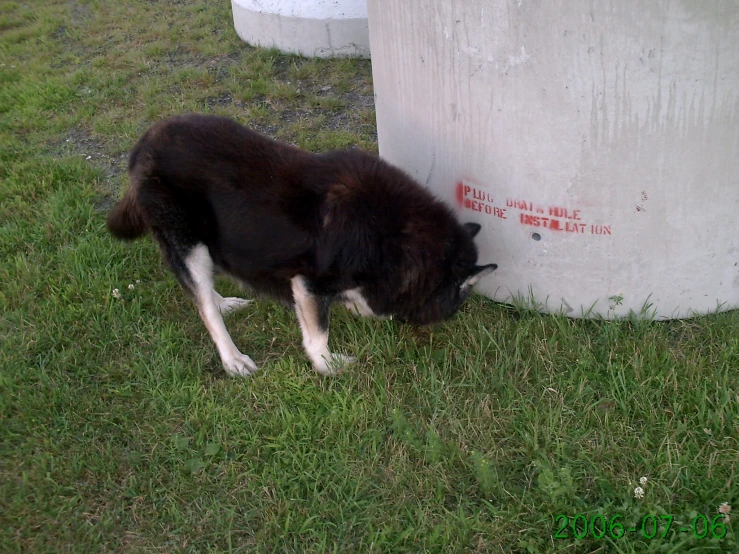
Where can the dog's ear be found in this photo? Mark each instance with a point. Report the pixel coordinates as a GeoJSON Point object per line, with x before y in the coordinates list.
{"type": "Point", "coordinates": [330, 251]}
{"type": "Point", "coordinates": [346, 242]}
{"type": "Point", "coordinates": [473, 228]}
{"type": "Point", "coordinates": [478, 273]}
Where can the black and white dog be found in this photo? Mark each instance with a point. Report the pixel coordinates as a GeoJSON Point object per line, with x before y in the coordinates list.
{"type": "Point", "coordinates": [308, 229]}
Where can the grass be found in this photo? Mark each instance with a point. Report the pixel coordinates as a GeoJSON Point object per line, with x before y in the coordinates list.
{"type": "Point", "coordinates": [119, 432]}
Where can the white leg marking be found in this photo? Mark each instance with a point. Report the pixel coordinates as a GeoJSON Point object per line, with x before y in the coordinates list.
{"type": "Point", "coordinates": [315, 340]}
{"type": "Point", "coordinates": [355, 302]}
{"type": "Point", "coordinates": [230, 303]}
{"type": "Point", "coordinates": [200, 265]}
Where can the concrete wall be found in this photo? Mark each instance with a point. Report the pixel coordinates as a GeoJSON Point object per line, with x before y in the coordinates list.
{"type": "Point", "coordinates": [597, 142]}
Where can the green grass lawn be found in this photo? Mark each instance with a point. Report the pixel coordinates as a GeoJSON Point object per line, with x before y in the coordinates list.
{"type": "Point", "coordinates": [119, 431]}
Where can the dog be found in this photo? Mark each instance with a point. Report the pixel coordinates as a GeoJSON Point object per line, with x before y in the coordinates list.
{"type": "Point", "coordinates": [310, 230]}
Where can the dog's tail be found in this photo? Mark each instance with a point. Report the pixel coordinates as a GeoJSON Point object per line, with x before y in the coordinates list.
{"type": "Point", "coordinates": [125, 220]}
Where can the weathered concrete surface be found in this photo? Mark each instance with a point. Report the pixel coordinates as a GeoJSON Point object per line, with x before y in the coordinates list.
{"type": "Point", "coordinates": [597, 142]}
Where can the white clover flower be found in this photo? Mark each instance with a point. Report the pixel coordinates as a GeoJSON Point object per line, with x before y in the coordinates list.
{"type": "Point", "coordinates": [643, 481]}
{"type": "Point", "coordinates": [725, 509]}
{"type": "Point", "coordinates": [130, 286]}
{"type": "Point", "coordinates": [116, 293]}
{"type": "Point", "coordinates": [138, 281]}
{"type": "Point", "coordinates": [639, 493]}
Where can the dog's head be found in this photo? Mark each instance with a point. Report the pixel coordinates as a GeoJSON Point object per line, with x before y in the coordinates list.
{"type": "Point", "coordinates": [404, 248]}
{"type": "Point", "coordinates": [441, 277]}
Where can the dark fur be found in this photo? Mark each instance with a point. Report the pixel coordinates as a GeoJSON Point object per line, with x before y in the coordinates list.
{"type": "Point", "coordinates": [268, 211]}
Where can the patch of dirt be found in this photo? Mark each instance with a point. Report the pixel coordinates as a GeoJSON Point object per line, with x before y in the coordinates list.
{"type": "Point", "coordinates": [95, 151]}
{"type": "Point", "coordinates": [80, 12]}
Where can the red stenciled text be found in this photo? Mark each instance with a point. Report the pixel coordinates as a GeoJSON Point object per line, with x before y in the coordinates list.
{"type": "Point", "coordinates": [556, 218]}
{"type": "Point", "coordinates": [477, 200]}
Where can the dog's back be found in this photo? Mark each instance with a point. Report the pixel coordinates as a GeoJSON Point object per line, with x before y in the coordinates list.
{"type": "Point", "coordinates": [203, 157]}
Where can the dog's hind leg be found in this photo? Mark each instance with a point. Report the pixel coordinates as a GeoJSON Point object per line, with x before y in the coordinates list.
{"type": "Point", "coordinates": [198, 278]}
{"type": "Point", "coordinates": [313, 314]}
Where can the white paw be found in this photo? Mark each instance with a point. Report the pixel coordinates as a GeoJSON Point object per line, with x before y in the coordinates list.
{"type": "Point", "coordinates": [230, 304]}
{"type": "Point", "coordinates": [334, 364]}
{"type": "Point", "coordinates": [239, 365]}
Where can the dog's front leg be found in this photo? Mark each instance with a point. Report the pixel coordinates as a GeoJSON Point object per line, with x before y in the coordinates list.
{"type": "Point", "coordinates": [313, 315]}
